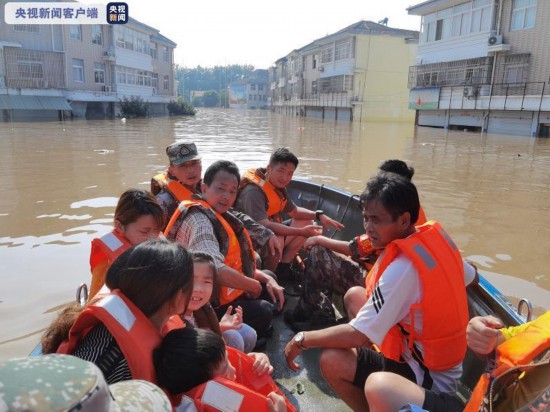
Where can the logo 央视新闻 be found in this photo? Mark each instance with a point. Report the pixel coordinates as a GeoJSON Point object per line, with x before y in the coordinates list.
{"type": "Point", "coordinates": [117, 13]}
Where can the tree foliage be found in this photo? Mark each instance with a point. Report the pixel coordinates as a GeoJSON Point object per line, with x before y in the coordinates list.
{"type": "Point", "coordinates": [211, 98]}
{"type": "Point", "coordinates": [133, 107]}
{"type": "Point", "coordinates": [180, 107]}
{"type": "Point", "coordinates": [215, 78]}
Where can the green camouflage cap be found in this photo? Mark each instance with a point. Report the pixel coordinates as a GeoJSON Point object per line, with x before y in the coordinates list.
{"type": "Point", "coordinates": [67, 383]}
{"type": "Point", "coordinates": [181, 152]}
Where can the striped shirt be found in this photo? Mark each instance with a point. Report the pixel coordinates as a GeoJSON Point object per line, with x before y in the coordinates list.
{"type": "Point", "coordinates": [101, 348]}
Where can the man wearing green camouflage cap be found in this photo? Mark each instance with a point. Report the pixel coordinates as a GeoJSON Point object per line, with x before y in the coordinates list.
{"type": "Point", "coordinates": [182, 178]}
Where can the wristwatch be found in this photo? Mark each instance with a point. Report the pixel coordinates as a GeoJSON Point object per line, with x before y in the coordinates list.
{"type": "Point", "coordinates": [299, 339]}
{"type": "Point", "coordinates": [318, 214]}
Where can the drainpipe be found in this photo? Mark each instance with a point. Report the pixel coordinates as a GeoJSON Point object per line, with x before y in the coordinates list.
{"type": "Point", "coordinates": [493, 70]}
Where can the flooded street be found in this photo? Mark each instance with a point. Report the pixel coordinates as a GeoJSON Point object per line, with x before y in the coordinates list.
{"type": "Point", "coordinates": [60, 183]}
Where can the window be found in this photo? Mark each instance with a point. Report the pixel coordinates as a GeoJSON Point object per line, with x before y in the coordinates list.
{"type": "Point", "coordinates": [166, 82]}
{"type": "Point", "coordinates": [524, 13]}
{"type": "Point", "coordinates": [97, 34]}
{"type": "Point", "coordinates": [155, 80]}
{"type": "Point", "coordinates": [481, 16]}
{"type": "Point", "coordinates": [165, 54]}
{"type": "Point", "coordinates": [75, 31]}
{"type": "Point", "coordinates": [78, 70]}
{"type": "Point", "coordinates": [32, 28]}
{"type": "Point", "coordinates": [30, 65]}
{"type": "Point", "coordinates": [342, 49]}
{"type": "Point", "coordinates": [443, 24]}
{"type": "Point", "coordinates": [326, 55]}
{"type": "Point", "coordinates": [314, 87]}
{"type": "Point", "coordinates": [428, 28]}
{"type": "Point", "coordinates": [99, 73]}
{"type": "Point", "coordinates": [153, 50]}
{"type": "Point", "coordinates": [260, 87]}
{"type": "Point", "coordinates": [516, 67]}
{"type": "Point", "coordinates": [314, 62]}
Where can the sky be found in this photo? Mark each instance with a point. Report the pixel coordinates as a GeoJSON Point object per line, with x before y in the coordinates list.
{"type": "Point", "coordinates": [222, 32]}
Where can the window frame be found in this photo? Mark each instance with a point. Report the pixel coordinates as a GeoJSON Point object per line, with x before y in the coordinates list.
{"type": "Point", "coordinates": [79, 68]}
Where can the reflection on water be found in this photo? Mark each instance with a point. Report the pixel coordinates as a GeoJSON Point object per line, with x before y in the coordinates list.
{"type": "Point", "coordinates": [60, 183]}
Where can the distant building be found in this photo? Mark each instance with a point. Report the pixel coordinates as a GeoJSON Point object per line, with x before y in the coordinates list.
{"type": "Point", "coordinates": [52, 71]}
{"type": "Point", "coordinates": [250, 93]}
{"type": "Point", "coordinates": [483, 65]}
{"type": "Point", "coordinates": [358, 73]}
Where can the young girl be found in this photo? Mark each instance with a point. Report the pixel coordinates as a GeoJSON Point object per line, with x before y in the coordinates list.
{"type": "Point", "coordinates": [151, 282]}
{"type": "Point", "coordinates": [236, 334]}
{"type": "Point", "coordinates": [138, 217]}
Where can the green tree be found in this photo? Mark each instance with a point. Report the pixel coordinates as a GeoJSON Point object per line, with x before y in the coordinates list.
{"type": "Point", "coordinates": [133, 107]}
{"type": "Point", "coordinates": [209, 78]}
{"type": "Point", "coordinates": [180, 107]}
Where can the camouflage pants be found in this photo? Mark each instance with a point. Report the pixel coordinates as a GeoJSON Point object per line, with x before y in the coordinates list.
{"type": "Point", "coordinates": [327, 273]}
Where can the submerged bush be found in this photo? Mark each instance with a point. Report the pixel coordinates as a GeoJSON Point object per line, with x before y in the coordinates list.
{"type": "Point", "coordinates": [133, 107]}
{"type": "Point", "coordinates": [180, 108]}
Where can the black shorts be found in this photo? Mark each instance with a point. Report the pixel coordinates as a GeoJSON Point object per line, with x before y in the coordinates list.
{"type": "Point", "coordinates": [442, 402]}
{"type": "Point", "coordinates": [370, 361]}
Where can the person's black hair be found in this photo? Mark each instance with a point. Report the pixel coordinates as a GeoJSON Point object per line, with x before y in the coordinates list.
{"type": "Point", "coordinates": [226, 166]}
{"type": "Point", "coordinates": [151, 273]}
{"type": "Point", "coordinates": [134, 203]}
{"type": "Point", "coordinates": [397, 166]}
{"type": "Point", "coordinates": [396, 194]}
{"type": "Point", "coordinates": [283, 155]}
{"type": "Point", "coordinates": [187, 358]}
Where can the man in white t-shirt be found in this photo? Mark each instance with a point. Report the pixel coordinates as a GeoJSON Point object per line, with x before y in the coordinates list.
{"type": "Point", "coordinates": [414, 307]}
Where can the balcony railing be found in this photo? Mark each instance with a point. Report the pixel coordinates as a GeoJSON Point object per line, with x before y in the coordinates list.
{"type": "Point", "coordinates": [500, 96]}
{"type": "Point", "coordinates": [331, 99]}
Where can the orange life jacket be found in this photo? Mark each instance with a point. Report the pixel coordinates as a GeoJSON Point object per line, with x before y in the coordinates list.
{"type": "Point", "coordinates": [233, 257]}
{"type": "Point", "coordinates": [512, 356]}
{"type": "Point", "coordinates": [136, 336]}
{"type": "Point", "coordinates": [421, 217]}
{"type": "Point", "coordinates": [276, 201]}
{"type": "Point", "coordinates": [248, 392]}
{"type": "Point", "coordinates": [443, 304]}
{"type": "Point", "coordinates": [108, 247]}
{"type": "Point", "coordinates": [178, 190]}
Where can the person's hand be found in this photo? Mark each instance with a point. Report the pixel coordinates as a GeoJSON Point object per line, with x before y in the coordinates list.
{"type": "Point", "coordinates": [311, 241]}
{"type": "Point", "coordinates": [327, 221]}
{"type": "Point", "coordinates": [311, 230]}
{"type": "Point", "coordinates": [482, 333]}
{"type": "Point", "coordinates": [276, 292]}
{"type": "Point", "coordinates": [274, 246]}
{"type": "Point", "coordinates": [255, 292]}
{"type": "Point", "coordinates": [261, 364]}
{"type": "Point", "coordinates": [232, 321]}
{"type": "Point", "coordinates": [291, 351]}
{"type": "Point", "coordinates": [275, 402]}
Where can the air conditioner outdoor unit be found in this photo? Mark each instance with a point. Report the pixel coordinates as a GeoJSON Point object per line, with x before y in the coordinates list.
{"type": "Point", "coordinates": [494, 40]}
{"type": "Point", "coordinates": [321, 69]}
{"type": "Point", "coordinates": [108, 54]}
{"type": "Point", "coordinates": [106, 88]}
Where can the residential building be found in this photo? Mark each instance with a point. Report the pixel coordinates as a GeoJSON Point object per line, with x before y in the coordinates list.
{"type": "Point", "coordinates": [53, 71]}
{"type": "Point", "coordinates": [257, 89]}
{"type": "Point", "coordinates": [483, 65]}
{"type": "Point", "coordinates": [358, 73]}
{"type": "Point", "coordinates": [251, 92]}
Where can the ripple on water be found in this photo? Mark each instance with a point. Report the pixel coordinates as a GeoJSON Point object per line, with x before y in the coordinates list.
{"type": "Point", "coordinates": [95, 202]}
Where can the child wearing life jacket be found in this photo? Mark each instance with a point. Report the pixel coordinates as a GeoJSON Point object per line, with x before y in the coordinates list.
{"type": "Point", "coordinates": [193, 366]}
{"type": "Point", "coordinates": [235, 333]}
{"type": "Point", "coordinates": [138, 217]}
